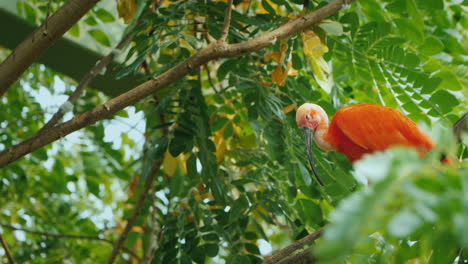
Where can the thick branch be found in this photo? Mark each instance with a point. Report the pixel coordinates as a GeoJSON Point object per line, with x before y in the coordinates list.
{"type": "Point", "coordinates": [69, 236]}
{"type": "Point", "coordinates": [303, 257]}
{"type": "Point", "coordinates": [283, 253]}
{"type": "Point", "coordinates": [99, 67]}
{"type": "Point", "coordinates": [10, 258]}
{"type": "Point", "coordinates": [41, 39]}
{"type": "Point", "coordinates": [213, 51]}
{"type": "Point", "coordinates": [227, 21]}
{"type": "Point", "coordinates": [136, 211]}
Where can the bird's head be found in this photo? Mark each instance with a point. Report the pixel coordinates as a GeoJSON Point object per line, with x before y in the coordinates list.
{"type": "Point", "coordinates": [309, 117]}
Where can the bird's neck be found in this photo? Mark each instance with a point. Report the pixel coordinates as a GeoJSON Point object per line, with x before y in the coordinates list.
{"type": "Point", "coordinates": [320, 136]}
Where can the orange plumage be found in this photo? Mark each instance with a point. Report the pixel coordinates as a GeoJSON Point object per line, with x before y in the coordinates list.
{"type": "Point", "coordinates": [359, 129]}
{"type": "Point", "coordinates": [364, 128]}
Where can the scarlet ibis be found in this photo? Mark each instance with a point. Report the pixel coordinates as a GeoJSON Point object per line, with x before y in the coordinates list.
{"type": "Point", "coordinates": [359, 129]}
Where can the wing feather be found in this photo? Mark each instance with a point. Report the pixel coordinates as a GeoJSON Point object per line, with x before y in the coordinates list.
{"type": "Point", "coordinates": [376, 127]}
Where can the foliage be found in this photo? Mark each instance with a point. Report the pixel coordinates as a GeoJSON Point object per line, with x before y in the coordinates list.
{"type": "Point", "coordinates": [234, 172]}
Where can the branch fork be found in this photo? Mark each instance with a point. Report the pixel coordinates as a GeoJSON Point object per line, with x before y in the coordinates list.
{"type": "Point", "coordinates": [227, 21]}
{"type": "Point", "coordinates": [216, 50]}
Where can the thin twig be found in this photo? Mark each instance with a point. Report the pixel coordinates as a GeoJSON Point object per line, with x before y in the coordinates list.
{"type": "Point", "coordinates": [47, 16]}
{"type": "Point", "coordinates": [7, 250]}
{"type": "Point", "coordinates": [283, 253]}
{"type": "Point", "coordinates": [227, 21]}
{"type": "Point", "coordinates": [99, 67]}
{"type": "Point", "coordinates": [209, 79]}
{"type": "Point", "coordinates": [69, 236]}
{"type": "Point", "coordinates": [136, 211]}
{"type": "Point", "coordinates": [149, 253]}
{"type": "Point", "coordinates": [303, 257]}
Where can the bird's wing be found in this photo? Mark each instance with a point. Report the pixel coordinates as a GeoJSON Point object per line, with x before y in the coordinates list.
{"type": "Point", "coordinates": [375, 127]}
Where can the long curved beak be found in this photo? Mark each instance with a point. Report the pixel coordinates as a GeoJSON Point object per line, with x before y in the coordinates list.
{"type": "Point", "coordinates": [309, 140]}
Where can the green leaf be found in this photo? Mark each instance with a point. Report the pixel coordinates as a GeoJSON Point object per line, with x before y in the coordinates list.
{"type": "Point", "coordinates": [296, 61]}
{"type": "Point", "coordinates": [219, 123]}
{"type": "Point", "coordinates": [133, 67]}
{"type": "Point", "coordinates": [404, 224]}
{"type": "Point", "coordinates": [430, 85]}
{"type": "Point", "coordinates": [211, 250]}
{"type": "Point", "coordinates": [312, 212]}
{"type": "Point", "coordinates": [178, 144]}
{"type": "Point", "coordinates": [239, 206]}
{"type": "Point", "coordinates": [444, 100]}
{"type": "Point", "coordinates": [29, 11]}
{"type": "Point", "coordinates": [210, 237]}
{"type": "Point", "coordinates": [159, 148]}
{"type": "Point", "coordinates": [198, 254]}
{"type": "Point", "coordinates": [100, 37]}
{"type": "Point", "coordinates": [333, 28]}
{"type": "Point", "coordinates": [304, 175]}
{"type": "Point", "coordinates": [252, 248]}
{"type": "Point", "coordinates": [90, 21]}
{"type": "Point", "coordinates": [268, 7]}
{"type": "Point", "coordinates": [225, 68]}
{"type": "Point", "coordinates": [409, 30]}
{"type": "Point", "coordinates": [228, 131]}
{"type": "Point", "coordinates": [432, 46]}
{"type": "Point", "coordinates": [75, 30]}
{"type": "Point", "coordinates": [104, 15]}
{"type": "Point", "coordinates": [450, 81]}
{"type": "Point", "coordinates": [398, 6]}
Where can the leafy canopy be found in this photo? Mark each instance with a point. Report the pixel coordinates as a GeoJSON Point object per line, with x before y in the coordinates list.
{"type": "Point", "coordinates": [235, 184]}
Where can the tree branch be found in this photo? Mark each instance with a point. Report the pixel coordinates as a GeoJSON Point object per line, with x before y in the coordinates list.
{"type": "Point", "coordinates": [302, 257]}
{"type": "Point", "coordinates": [214, 51]}
{"type": "Point", "coordinates": [149, 252]}
{"type": "Point", "coordinates": [41, 39]}
{"type": "Point", "coordinates": [84, 82]}
{"type": "Point", "coordinates": [7, 250]}
{"type": "Point", "coordinates": [136, 211]}
{"type": "Point", "coordinates": [283, 253]}
{"type": "Point", "coordinates": [227, 21]}
{"type": "Point", "coordinates": [69, 236]}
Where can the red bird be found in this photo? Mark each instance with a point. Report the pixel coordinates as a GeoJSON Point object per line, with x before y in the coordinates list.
{"type": "Point", "coordinates": [359, 129]}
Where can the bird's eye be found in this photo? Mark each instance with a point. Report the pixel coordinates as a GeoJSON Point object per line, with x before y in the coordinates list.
{"type": "Point", "coordinates": [308, 117]}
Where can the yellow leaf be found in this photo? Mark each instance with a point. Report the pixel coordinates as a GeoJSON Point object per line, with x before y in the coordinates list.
{"type": "Point", "coordinates": [170, 163]}
{"type": "Point", "coordinates": [276, 56]}
{"type": "Point", "coordinates": [126, 10]}
{"type": "Point", "coordinates": [244, 5]}
{"type": "Point", "coordinates": [246, 135]}
{"type": "Point", "coordinates": [291, 70]}
{"type": "Point", "coordinates": [137, 229]}
{"type": "Point", "coordinates": [314, 49]}
{"type": "Point", "coordinates": [289, 108]}
{"type": "Point", "coordinates": [279, 75]}
{"type": "Point", "coordinates": [248, 142]}
{"type": "Point", "coordinates": [184, 44]}
{"type": "Point", "coordinates": [220, 144]}
{"type": "Point", "coordinates": [283, 47]}
{"type": "Point", "coordinates": [313, 45]}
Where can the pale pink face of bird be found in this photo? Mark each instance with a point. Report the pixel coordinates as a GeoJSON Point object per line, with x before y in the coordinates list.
{"type": "Point", "coordinates": [309, 115]}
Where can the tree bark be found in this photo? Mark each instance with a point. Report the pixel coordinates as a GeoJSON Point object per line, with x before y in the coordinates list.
{"type": "Point", "coordinates": [215, 50]}
{"type": "Point", "coordinates": [42, 38]}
